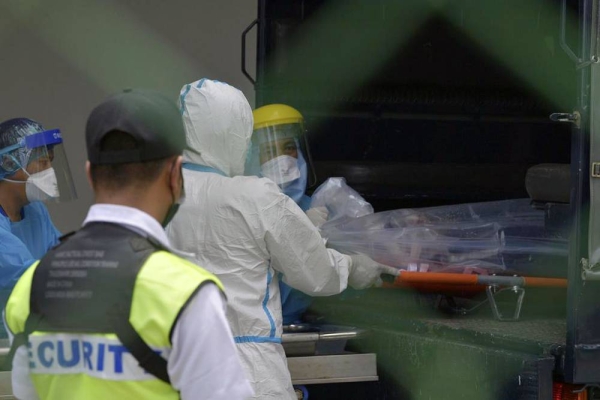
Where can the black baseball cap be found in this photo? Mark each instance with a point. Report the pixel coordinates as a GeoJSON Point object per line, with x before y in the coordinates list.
{"type": "Point", "coordinates": [151, 118]}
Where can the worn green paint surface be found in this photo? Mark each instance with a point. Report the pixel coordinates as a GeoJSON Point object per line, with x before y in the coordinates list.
{"type": "Point", "coordinates": [424, 354]}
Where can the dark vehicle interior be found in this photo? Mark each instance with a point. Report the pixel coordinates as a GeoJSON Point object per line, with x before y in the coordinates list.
{"type": "Point", "coordinates": [425, 103]}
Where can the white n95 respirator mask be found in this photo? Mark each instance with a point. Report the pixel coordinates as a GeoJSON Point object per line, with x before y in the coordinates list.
{"type": "Point", "coordinates": [42, 186]}
{"type": "Point", "coordinates": [281, 170]}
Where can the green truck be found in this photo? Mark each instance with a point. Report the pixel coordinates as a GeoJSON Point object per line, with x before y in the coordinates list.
{"type": "Point", "coordinates": [421, 103]}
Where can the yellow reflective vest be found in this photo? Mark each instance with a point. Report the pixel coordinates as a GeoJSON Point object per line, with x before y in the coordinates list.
{"type": "Point", "coordinates": [97, 366]}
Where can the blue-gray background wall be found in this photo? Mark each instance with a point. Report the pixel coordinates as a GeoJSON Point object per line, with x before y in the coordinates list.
{"type": "Point", "coordinates": [59, 58]}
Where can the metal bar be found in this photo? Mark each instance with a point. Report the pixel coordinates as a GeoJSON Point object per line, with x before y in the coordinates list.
{"type": "Point", "coordinates": [244, 71]}
{"type": "Point", "coordinates": [431, 117]}
{"type": "Point", "coordinates": [544, 282]}
{"type": "Point", "coordinates": [436, 278]}
{"type": "Point", "coordinates": [563, 33]}
{"type": "Point", "coordinates": [299, 337]}
{"type": "Point", "coordinates": [581, 299]}
{"type": "Point", "coordinates": [339, 335]}
{"type": "Point", "coordinates": [407, 277]}
{"type": "Point", "coordinates": [261, 53]}
{"type": "Point", "coordinates": [501, 280]}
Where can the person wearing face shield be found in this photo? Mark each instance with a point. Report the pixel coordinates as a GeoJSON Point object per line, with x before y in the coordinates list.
{"type": "Point", "coordinates": [250, 234]}
{"type": "Point", "coordinates": [279, 151]}
{"type": "Point", "coordinates": [114, 311]}
{"type": "Point", "coordinates": [31, 160]}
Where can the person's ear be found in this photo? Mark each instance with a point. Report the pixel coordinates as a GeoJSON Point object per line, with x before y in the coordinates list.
{"type": "Point", "coordinates": [176, 177]}
{"type": "Point", "coordinates": [88, 174]}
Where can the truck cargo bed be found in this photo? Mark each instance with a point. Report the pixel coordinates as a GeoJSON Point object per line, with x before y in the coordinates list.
{"type": "Point", "coordinates": [424, 353]}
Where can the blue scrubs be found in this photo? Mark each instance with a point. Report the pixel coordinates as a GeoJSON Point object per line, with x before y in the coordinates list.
{"type": "Point", "coordinates": [24, 242]}
{"type": "Point", "coordinates": [294, 302]}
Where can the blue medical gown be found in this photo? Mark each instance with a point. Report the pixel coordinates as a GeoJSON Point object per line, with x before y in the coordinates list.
{"type": "Point", "coordinates": [24, 242]}
{"type": "Point", "coordinates": [294, 302]}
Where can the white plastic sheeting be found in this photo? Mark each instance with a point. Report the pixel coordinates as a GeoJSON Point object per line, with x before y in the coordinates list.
{"type": "Point", "coordinates": [464, 238]}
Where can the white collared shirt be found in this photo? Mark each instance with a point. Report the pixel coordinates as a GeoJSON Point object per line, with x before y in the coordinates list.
{"type": "Point", "coordinates": [203, 363]}
{"type": "Point", "coordinates": [136, 220]}
{"type": "Point", "coordinates": [131, 218]}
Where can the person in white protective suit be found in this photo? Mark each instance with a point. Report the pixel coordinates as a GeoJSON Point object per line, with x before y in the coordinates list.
{"type": "Point", "coordinates": [246, 231]}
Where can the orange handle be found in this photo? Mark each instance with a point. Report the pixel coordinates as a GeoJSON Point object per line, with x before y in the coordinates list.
{"type": "Point", "coordinates": [435, 278]}
{"type": "Point", "coordinates": [544, 282]}
{"type": "Point", "coordinates": [451, 280]}
{"type": "Point", "coordinates": [436, 288]}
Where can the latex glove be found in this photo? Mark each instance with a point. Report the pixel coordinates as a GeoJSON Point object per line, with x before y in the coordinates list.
{"type": "Point", "coordinates": [365, 272]}
{"type": "Point", "coordinates": [318, 215]}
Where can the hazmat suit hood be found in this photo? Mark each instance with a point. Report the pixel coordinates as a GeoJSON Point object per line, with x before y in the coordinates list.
{"type": "Point", "coordinates": [218, 125]}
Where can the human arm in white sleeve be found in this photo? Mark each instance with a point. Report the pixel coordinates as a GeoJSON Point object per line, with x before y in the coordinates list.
{"type": "Point", "coordinates": [203, 363]}
{"type": "Point", "coordinates": [22, 386]}
{"type": "Point", "coordinates": [299, 253]}
{"type": "Point", "coordinates": [297, 249]}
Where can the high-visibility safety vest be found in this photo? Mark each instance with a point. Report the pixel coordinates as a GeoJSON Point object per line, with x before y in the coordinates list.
{"type": "Point", "coordinates": [97, 313]}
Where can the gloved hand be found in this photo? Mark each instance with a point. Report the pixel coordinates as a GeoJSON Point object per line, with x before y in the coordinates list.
{"type": "Point", "coordinates": [318, 215]}
{"type": "Point", "coordinates": [365, 272]}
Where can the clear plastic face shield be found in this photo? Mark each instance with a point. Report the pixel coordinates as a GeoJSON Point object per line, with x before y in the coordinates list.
{"type": "Point", "coordinates": [42, 158]}
{"type": "Point", "coordinates": [280, 153]}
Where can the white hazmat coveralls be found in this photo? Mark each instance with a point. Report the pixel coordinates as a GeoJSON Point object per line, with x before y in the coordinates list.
{"type": "Point", "coordinates": [246, 231]}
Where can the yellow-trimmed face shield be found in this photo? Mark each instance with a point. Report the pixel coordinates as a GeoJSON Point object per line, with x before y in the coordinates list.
{"type": "Point", "coordinates": [279, 149]}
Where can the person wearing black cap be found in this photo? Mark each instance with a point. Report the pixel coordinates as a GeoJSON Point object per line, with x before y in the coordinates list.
{"type": "Point", "coordinates": [113, 311]}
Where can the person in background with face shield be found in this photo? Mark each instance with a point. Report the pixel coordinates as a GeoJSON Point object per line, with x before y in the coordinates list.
{"type": "Point", "coordinates": [279, 152]}
{"type": "Point", "coordinates": [30, 158]}
{"type": "Point", "coordinates": [248, 233]}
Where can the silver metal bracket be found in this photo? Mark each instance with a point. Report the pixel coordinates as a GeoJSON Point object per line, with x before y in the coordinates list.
{"type": "Point", "coordinates": [589, 272]}
{"type": "Point", "coordinates": [580, 61]}
{"type": "Point", "coordinates": [492, 292]}
{"type": "Point", "coordinates": [573, 117]}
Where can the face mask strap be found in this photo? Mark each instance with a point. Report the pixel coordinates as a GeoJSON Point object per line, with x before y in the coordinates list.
{"type": "Point", "coordinates": [21, 168]}
{"type": "Point", "coordinates": [13, 181]}
{"type": "Point", "coordinates": [11, 148]}
{"type": "Point", "coordinates": [11, 171]}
